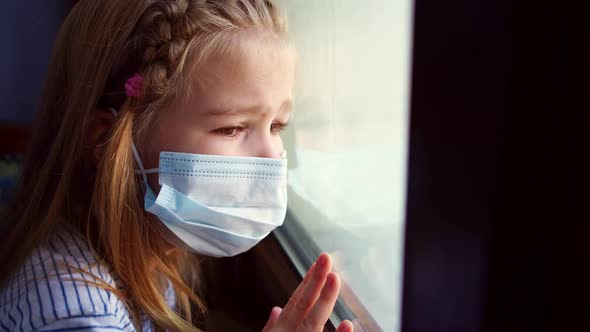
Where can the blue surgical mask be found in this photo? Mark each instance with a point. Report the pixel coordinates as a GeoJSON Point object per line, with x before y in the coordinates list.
{"type": "Point", "coordinates": [218, 206]}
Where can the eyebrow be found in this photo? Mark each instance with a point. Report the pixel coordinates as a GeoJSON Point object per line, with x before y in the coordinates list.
{"type": "Point", "coordinates": [285, 107]}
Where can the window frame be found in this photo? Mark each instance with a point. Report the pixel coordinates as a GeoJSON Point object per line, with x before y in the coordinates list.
{"type": "Point", "coordinates": [300, 248]}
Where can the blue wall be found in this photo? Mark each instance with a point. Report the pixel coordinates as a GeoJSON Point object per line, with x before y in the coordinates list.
{"type": "Point", "coordinates": [27, 31]}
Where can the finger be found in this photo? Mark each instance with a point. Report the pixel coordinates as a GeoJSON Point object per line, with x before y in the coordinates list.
{"type": "Point", "coordinates": [345, 326]}
{"type": "Point", "coordinates": [274, 316]}
{"type": "Point", "coordinates": [322, 309]}
{"type": "Point", "coordinates": [306, 294]}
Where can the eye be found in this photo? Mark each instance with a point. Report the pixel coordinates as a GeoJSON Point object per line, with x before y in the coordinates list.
{"type": "Point", "coordinates": [277, 127]}
{"type": "Point", "coordinates": [229, 131]}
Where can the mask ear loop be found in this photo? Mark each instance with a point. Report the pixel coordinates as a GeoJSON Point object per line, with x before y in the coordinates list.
{"type": "Point", "coordinates": [141, 169]}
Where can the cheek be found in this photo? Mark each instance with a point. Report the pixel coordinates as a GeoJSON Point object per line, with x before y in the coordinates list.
{"type": "Point", "coordinates": [277, 146]}
{"type": "Point", "coordinates": [279, 142]}
{"type": "Point", "coordinates": [179, 136]}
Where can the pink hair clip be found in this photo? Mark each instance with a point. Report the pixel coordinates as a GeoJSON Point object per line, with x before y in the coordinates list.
{"type": "Point", "coordinates": [133, 85]}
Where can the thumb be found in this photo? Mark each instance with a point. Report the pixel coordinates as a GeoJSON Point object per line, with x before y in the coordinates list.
{"type": "Point", "coordinates": [274, 316]}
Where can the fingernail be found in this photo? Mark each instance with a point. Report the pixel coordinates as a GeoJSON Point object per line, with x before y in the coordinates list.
{"type": "Point", "coordinates": [322, 260]}
{"type": "Point", "coordinates": [330, 280]}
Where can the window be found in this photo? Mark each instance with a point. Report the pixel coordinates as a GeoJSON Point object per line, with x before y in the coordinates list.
{"type": "Point", "coordinates": [347, 147]}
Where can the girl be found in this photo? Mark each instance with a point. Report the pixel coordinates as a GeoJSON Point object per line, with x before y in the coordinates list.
{"type": "Point", "coordinates": [158, 137]}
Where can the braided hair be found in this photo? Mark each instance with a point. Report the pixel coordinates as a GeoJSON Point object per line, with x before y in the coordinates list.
{"type": "Point", "coordinates": [170, 30]}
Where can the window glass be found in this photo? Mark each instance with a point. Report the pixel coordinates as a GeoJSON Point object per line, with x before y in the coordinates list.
{"type": "Point", "coordinates": [348, 139]}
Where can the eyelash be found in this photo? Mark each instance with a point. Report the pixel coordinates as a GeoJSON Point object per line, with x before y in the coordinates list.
{"type": "Point", "coordinates": [278, 127]}
{"type": "Point", "coordinates": [234, 131]}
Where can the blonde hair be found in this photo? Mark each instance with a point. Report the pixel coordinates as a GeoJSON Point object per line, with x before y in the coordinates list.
{"type": "Point", "coordinates": [100, 45]}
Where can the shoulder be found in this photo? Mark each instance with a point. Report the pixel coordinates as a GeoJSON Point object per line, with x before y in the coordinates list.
{"type": "Point", "coordinates": [53, 290]}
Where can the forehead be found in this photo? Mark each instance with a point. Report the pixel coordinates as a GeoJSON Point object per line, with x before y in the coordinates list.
{"type": "Point", "coordinates": [256, 70]}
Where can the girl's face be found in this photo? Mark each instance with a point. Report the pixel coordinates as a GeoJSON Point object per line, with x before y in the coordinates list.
{"type": "Point", "coordinates": [238, 106]}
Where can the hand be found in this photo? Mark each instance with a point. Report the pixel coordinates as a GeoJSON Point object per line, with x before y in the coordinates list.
{"type": "Point", "coordinates": [312, 302]}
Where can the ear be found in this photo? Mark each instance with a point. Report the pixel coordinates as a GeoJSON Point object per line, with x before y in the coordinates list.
{"type": "Point", "coordinates": [100, 125]}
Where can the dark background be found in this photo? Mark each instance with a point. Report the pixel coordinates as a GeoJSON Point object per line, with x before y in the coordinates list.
{"type": "Point", "coordinates": [497, 201]}
{"type": "Point", "coordinates": [27, 31]}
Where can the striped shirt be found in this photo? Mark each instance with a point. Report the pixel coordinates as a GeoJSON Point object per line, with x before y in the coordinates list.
{"type": "Point", "coordinates": [43, 294]}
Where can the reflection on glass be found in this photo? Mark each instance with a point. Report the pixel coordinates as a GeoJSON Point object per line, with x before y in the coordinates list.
{"type": "Point", "coordinates": [347, 142]}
